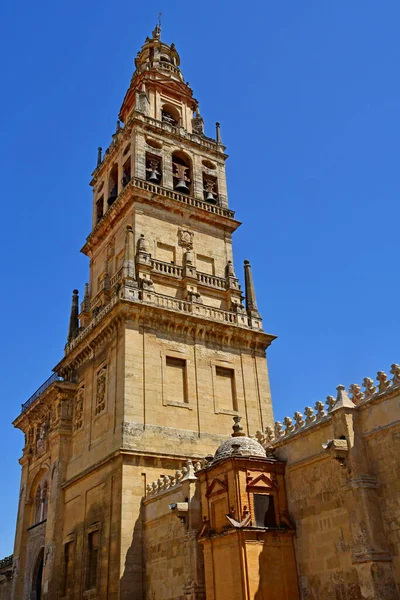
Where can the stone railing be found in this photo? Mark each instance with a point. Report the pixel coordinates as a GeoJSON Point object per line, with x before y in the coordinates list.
{"type": "Point", "coordinates": [189, 200]}
{"type": "Point", "coordinates": [195, 308]}
{"type": "Point", "coordinates": [167, 483]}
{"type": "Point", "coordinates": [168, 303]}
{"type": "Point", "coordinates": [166, 268]}
{"type": "Point", "coordinates": [314, 416]}
{"type": "Point", "coordinates": [202, 140]}
{"type": "Point", "coordinates": [172, 270]}
{"type": "Point", "coordinates": [211, 281]}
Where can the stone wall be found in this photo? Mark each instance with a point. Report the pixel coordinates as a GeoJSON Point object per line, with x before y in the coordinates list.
{"type": "Point", "coordinates": [343, 489]}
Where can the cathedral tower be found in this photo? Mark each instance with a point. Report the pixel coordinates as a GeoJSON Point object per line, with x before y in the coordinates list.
{"type": "Point", "coordinates": [161, 352]}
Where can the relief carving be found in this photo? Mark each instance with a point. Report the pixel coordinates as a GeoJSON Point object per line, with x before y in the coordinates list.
{"type": "Point", "coordinates": [101, 390]}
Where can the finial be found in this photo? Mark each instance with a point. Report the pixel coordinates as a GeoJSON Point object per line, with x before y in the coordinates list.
{"type": "Point", "coordinates": [73, 320]}
{"type": "Point", "coordinates": [118, 127]}
{"type": "Point", "coordinates": [218, 132]}
{"type": "Point", "coordinates": [157, 30]}
{"type": "Point", "coordinates": [251, 304]}
{"type": "Point", "coordinates": [237, 427]}
{"type": "Point", "coordinates": [99, 159]}
{"type": "Point", "coordinates": [342, 399]}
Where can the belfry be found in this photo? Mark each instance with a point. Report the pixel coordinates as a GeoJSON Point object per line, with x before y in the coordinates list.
{"type": "Point", "coordinates": [162, 354]}
{"type": "Point", "coordinates": [132, 485]}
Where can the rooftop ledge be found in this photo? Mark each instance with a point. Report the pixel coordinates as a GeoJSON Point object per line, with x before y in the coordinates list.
{"type": "Point", "coordinates": [208, 210]}
{"type": "Point", "coordinates": [239, 320]}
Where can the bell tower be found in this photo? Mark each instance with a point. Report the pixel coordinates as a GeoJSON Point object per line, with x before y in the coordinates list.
{"type": "Point", "coordinates": [161, 353]}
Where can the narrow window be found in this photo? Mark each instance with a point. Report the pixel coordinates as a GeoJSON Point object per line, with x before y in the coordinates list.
{"type": "Point", "coordinates": [38, 505]}
{"type": "Point", "coordinates": [175, 380]}
{"type": "Point", "coordinates": [92, 559]}
{"type": "Point", "coordinates": [126, 172]}
{"type": "Point", "coordinates": [68, 566]}
{"type": "Point", "coordinates": [99, 208]}
{"type": "Point", "coordinates": [113, 185]}
{"type": "Point", "coordinates": [225, 388]}
{"type": "Point", "coordinates": [264, 510]}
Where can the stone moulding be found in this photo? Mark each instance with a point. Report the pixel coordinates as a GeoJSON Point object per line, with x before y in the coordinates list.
{"type": "Point", "coordinates": [270, 438]}
{"type": "Point", "coordinates": [223, 330]}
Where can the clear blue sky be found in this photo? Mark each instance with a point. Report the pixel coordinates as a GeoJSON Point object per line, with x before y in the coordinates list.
{"type": "Point", "coordinates": [308, 98]}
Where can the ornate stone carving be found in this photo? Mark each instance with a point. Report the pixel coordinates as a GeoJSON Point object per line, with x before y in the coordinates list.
{"type": "Point", "coordinates": [330, 402]}
{"type": "Point", "coordinates": [78, 409]}
{"type": "Point", "coordinates": [101, 390]}
{"type": "Point", "coordinates": [356, 394]}
{"type": "Point", "coordinates": [289, 427]}
{"type": "Point", "coordinates": [395, 371]}
{"type": "Point", "coordinates": [382, 378]}
{"type": "Point", "coordinates": [185, 238]}
{"type": "Point", "coordinates": [299, 422]}
{"type": "Point", "coordinates": [320, 408]}
{"type": "Point", "coordinates": [309, 412]}
{"type": "Point", "coordinates": [370, 389]}
{"type": "Point", "coordinates": [278, 429]}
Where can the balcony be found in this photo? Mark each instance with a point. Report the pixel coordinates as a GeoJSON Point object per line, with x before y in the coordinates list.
{"type": "Point", "coordinates": [54, 377]}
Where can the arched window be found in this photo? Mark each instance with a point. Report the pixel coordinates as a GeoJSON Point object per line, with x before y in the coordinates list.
{"type": "Point", "coordinates": [182, 173]}
{"type": "Point", "coordinates": [41, 501]}
{"type": "Point", "coordinates": [113, 185]}
{"type": "Point", "coordinates": [170, 114]}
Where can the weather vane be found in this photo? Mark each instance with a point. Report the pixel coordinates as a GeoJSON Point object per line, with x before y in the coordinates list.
{"type": "Point", "coordinates": [159, 19]}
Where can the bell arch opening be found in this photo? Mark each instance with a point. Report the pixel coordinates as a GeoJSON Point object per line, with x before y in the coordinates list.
{"type": "Point", "coordinates": [182, 172]}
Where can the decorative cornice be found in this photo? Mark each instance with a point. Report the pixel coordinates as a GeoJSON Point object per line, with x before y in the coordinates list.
{"type": "Point", "coordinates": [198, 326]}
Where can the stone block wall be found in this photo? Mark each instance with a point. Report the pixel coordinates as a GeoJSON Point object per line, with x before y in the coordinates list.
{"type": "Point", "coordinates": [342, 481]}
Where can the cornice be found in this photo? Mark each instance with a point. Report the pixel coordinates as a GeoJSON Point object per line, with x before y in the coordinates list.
{"type": "Point", "coordinates": [162, 319]}
{"type": "Point", "coordinates": [43, 403]}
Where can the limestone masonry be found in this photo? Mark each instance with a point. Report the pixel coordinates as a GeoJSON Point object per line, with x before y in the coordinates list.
{"type": "Point", "coordinates": [132, 487]}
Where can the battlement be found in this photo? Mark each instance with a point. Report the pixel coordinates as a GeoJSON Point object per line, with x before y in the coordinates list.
{"type": "Point", "coordinates": [321, 414]}
{"type": "Point", "coordinates": [168, 483]}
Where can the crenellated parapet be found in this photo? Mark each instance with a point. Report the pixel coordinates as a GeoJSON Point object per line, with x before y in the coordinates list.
{"type": "Point", "coordinates": [321, 412]}
{"type": "Point", "coordinates": [168, 483]}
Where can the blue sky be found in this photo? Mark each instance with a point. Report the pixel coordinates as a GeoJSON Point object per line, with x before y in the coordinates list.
{"type": "Point", "coordinates": [308, 98]}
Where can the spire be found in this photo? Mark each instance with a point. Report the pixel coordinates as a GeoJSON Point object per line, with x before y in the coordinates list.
{"type": "Point", "coordinates": [251, 304]}
{"type": "Point", "coordinates": [129, 254]}
{"type": "Point", "coordinates": [73, 320]}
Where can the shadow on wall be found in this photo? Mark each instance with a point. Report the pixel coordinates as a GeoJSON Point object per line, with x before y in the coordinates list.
{"type": "Point", "coordinates": [131, 585]}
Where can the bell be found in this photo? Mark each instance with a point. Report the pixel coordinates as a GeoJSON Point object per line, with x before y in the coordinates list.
{"type": "Point", "coordinates": [210, 198]}
{"type": "Point", "coordinates": [153, 177]}
{"type": "Point", "coordinates": [181, 186]}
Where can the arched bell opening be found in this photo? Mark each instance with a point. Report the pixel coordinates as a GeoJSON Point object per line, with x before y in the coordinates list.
{"type": "Point", "coordinates": [182, 173]}
{"type": "Point", "coordinates": [171, 115]}
{"type": "Point", "coordinates": [37, 577]}
{"type": "Point", "coordinates": [210, 189]}
{"type": "Point", "coordinates": [99, 208]}
{"type": "Point", "coordinates": [153, 168]}
{"type": "Point", "coordinates": [113, 185]}
{"type": "Point", "coordinates": [126, 172]}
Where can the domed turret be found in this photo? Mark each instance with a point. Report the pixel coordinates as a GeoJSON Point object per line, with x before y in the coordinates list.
{"type": "Point", "coordinates": [238, 445]}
